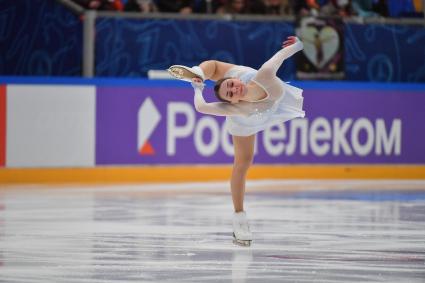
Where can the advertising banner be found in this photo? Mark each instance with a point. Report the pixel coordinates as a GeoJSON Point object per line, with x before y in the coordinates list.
{"type": "Point", "coordinates": [2, 125]}
{"type": "Point", "coordinates": [50, 125]}
{"type": "Point", "coordinates": [345, 124]}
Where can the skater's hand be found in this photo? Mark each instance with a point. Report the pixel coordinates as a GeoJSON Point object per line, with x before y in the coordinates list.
{"type": "Point", "coordinates": [197, 80]}
{"type": "Point", "coordinates": [289, 41]}
{"type": "Point", "coordinates": [197, 83]}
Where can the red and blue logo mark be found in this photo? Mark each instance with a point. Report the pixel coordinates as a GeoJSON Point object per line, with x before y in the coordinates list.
{"type": "Point", "coordinates": [148, 119]}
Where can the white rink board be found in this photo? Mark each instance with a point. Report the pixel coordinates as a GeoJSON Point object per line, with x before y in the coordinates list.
{"type": "Point", "coordinates": [50, 125]}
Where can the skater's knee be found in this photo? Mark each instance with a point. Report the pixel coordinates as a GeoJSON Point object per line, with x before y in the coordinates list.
{"type": "Point", "coordinates": [209, 68]}
{"type": "Point", "coordinates": [208, 65]}
{"type": "Point", "coordinates": [243, 163]}
{"type": "Point", "coordinates": [208, 62]}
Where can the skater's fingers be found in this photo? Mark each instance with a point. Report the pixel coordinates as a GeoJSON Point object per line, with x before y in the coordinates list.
{"type": "Point", "coordinates": [288, 43]}
{"type": "Point", "coordinates": [292, 39]}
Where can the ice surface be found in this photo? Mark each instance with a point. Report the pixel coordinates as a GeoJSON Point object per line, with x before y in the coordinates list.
{"type": "Point", "coordinates": [304, 231]}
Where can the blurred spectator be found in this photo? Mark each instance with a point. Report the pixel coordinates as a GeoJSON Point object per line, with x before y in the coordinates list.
{"type": "Point", "coordinates": [380, 7]}
{"type": "Point", "coordinates": [108, 5]}
{"type": "Point", "coordinates": [175, 6]}
{"type": "Point", "coordinates": [205, 6]}
{"type": "Point", "coordinates": [419, 7]}
{"type": "Point", "coordinates": [233, 7]}
{"type": "Point", "coordinates": [301, 8]}
{"type": "Point", "coordinates": [144, 6]}
{"type": "Point", "coordinates": [405, 8]}
{"type": "Point", "coordinates": [89, 4]}
{"type": "Point", "coordinates": [323, 7]}
{"type": "Point", "coordinates": [242, 7]}
{"type": "Point", "coordinates": [278, 7]}
{"type": "Point", "coordinates": [257, 7]}
{"type": "Point", "coordinates": [309, 7]}
{"type": "Point", "coordinates": [340, 8]}
{"type": "Point", "coordinates": [112, 5]}
{"type": "Point", "coordinates": [363, 8]}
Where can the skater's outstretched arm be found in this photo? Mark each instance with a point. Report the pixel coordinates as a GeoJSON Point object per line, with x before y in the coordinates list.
{"type": "Point", "coordinates": [291, 46]}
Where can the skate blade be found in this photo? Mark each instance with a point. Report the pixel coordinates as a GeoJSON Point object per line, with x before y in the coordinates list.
{"type": "Point", "coordinates": [182, 73]}
{"type": "Point", "coordinates": [242, 243]}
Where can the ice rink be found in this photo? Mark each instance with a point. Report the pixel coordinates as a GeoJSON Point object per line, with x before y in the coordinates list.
{"type": "Point", "coordinates": [304, 231]}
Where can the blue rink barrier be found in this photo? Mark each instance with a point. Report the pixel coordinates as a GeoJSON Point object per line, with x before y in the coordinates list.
{"type": "Point", "coordinates": [105, 81]}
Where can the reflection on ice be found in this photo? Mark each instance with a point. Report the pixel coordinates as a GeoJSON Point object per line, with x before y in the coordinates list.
{"type": "Point", "coordinates": [149, 234]}
{"type": "Point", "coordinates": [241, 261]}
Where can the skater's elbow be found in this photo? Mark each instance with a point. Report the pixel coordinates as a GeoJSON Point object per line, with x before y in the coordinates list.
{"type": "Point", "coordinates": [198, 107]}
{"type": "Point", "coordinates": [201, 108]}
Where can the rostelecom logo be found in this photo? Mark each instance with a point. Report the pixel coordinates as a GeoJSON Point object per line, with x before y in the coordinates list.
{"type": "Point", "coordinates": [148, 120]}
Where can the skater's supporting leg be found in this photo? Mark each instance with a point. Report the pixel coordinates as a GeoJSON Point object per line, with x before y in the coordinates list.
{"type": "Point", "coordinates": [241, 232]}
{"type": "Point", "coordinates": [244, 154]}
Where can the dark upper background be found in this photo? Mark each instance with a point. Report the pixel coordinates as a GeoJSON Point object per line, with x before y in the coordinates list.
{"type": "Point", "coordinates": [43, 38]}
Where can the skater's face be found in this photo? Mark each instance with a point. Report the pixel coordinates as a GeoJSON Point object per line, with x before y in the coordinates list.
{"type": "Point", "coordinates": [232, 90]}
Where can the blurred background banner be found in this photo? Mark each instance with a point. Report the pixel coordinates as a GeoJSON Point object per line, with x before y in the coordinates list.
{"type": "Point", "coordinates": [130, 48]}
{"type": "Point", "coordinates": [323, 54]}
{"type": "Point", "coordinates": [49, 43]}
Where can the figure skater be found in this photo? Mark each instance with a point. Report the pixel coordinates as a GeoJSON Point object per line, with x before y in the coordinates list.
{"type": "Point", "coordinates": [251, 100]}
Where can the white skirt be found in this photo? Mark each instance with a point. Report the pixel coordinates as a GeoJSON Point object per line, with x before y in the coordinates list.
{"type": "Point", "coordinates": [289, 107]}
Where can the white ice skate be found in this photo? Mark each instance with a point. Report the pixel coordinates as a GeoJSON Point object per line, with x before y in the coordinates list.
{"type": "Point", "coordinates": [241, 234]}
{"type": "Point", "coordinates": [186, 73]}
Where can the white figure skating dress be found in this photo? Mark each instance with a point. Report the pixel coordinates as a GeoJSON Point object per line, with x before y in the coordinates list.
{"type": "Point", "coordinates": [282, 103]}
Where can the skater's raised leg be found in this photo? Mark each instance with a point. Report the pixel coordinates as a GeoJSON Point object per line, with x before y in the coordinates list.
{"type": "Point", "coordinates": [207, 70]}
